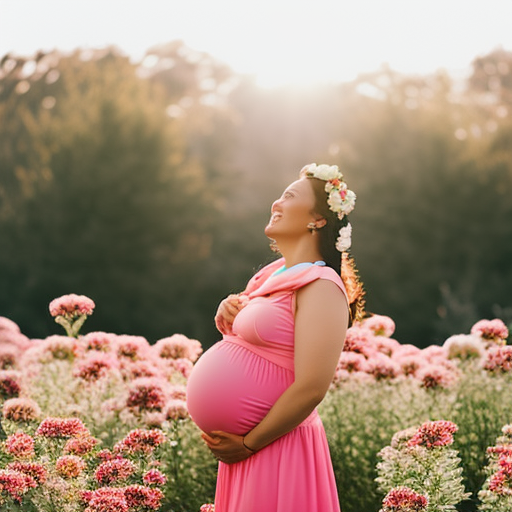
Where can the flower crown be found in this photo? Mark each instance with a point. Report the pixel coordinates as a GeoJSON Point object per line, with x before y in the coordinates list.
{"type": "Point", "coordinates": [341, 200]}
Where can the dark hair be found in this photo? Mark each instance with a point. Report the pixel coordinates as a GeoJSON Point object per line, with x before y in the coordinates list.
{"type": "Point", "coordinates": [327, 237]}
{"type": "Point", "coordinates": [328, 234]}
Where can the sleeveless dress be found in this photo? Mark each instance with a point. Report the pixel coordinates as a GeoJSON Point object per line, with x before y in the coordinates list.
{"type": "Point", "coordinates": [236, 382]}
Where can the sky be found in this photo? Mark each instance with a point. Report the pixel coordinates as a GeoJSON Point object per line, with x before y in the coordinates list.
{"type": "Point", "coordinates": [278, 42]}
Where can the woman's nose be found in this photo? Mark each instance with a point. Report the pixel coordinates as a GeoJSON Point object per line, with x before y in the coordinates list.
{"type": "Point", "coordinates": [276, 204]}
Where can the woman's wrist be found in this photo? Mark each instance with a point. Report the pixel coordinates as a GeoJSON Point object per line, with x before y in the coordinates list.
{"type": "Point", "coordinates": [247, 447]}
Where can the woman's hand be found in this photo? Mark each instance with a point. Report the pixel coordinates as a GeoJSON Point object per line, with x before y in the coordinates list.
{"type": "Point", "coordinates": [228, 448]}
{"type": "Point", "coordinates": [227, 311]}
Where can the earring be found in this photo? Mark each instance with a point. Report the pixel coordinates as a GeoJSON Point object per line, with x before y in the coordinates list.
{"type": "Point", "coordinates": [312, 227]}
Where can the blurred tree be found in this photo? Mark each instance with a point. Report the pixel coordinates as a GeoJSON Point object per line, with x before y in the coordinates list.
{"type": "Point", "coordinates": [102, 197]}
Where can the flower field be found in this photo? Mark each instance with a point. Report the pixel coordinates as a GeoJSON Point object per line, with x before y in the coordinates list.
{"type": "Point", "coordinates": [98, 422]}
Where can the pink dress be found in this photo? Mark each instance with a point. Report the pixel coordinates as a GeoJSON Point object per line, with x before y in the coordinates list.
{"type": "Point", "coordinates": [236, 382]}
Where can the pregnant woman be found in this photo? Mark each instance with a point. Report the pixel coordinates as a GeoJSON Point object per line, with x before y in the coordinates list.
{"type": "Point", "coordinates": [254, 394]}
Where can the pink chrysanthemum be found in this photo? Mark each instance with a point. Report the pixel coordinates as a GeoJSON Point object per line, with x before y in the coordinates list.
{"type": "Point", "coordinates": [176, 409]}
{"type": "Point", "coordinates": [114, 471]}
{"type": "Point", "coordinates": [434, 433]}
{"type": "Point", "coordinates": [132, 370]}
{"type": "Point", "coordinates": [154, 477]}
{"type": "Point", "coordinates": [20, 445]}
{"type": "Point", "coordinates": [6, 324]}
{"type": "Point", "coordinates": [491, 330]}
{"type": "Point", "coordinates": [386, 346]}
{"type": "Point", "coordinates": [404, 499]}
{"type": "Point", "coordinates": [135, 348]}
{"type": "Point", "coordinates": [80, 445]}
{"type": "Point", "coordinates": [409, 364]}
{"type": "Point", "coordinates": [139, 496]}
{"type": "Point", "coordinates": [94, 366]}
{"type": "Point", "coordinates": [501, 450]}
{"type": "Point", "coordinates": [148, 394]}
{"type": "Point", "coordinates": [15, 483]}
{"type": "Point", "coordinates": [383, 367]}
{"type": "Point", "coordinates": [182, 366]}
{"type": "Point", "coordinates": [498, 359]}
{"type": "Point", "coordinates": [178, 346]}
{"type": "Point", "coordinates": [464, 347]}
{"type": "Point", "coordinates": [435, 376]}
{"type": "Point", "coordinates": [70, 466]}
{"type": "Point", "coordinates": [61, 427]}
{"type": "Point", "coordinates": [357, 339]}
{"type": "Point", "coordinates": [58, 347]}
{"type": "Point", "coordinates": [140, 441]}
{"type": "Point", "coordinates": [100, 341]}
{"type": "Point", "coordinates": [352, 362]}
{"type": "Point", "coordinates": [71, 306]}
{"type": "Point", "coordinates": [8, 357]}
{"type": "Point", "coordinates": [33, 469]}
{"type": "Point", "coordinates": [106, 499]}
{"type": "Point", "coordinates": [178, 391]}
{"type": "Point", "coordinates": [434, 353]}
{"type": "Point", "coordinates": [380, 325]}
{"type": "Point", "coordinates": [207, 507]}
{"type": "Point", "coordinates": [10, 386]}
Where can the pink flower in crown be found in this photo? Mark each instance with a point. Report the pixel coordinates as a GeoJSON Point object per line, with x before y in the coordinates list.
{"type": "Point", "coordinates": [154, 477]}
{"type": "Point", "coordinates": [434, 433]}
{"type": "Point", "coordinates": [178, 346]}
{"type": "Point", "coordinates": [33, 469]}
{"type": "Point", "coordinates": [95, 365]}
{"type": "Point", "coordinates": [80, 445]}
{"type": "Point", "coordinates": [114, 471]}
{"type": "Point", "coordinates": [383, 367]}
{"type": "Point", "coordinates": [498, 359]}
{"type": "Point", "coordinates": [491, 330]}
{"type": "Point", "coordinates": [61, 428]}
{"type": "Point", "coordinates": [149, 394]}
{"type": "Point", "coordinates": [7, 324]}
{"type": "Point", "coordinates": [353, 362]}
{"type": "Point", "coordinates": [404, 499]}
{"type": "Point", "coordinates": [20, 445]}
{"type": "Point", "coordinates": [380, 325]}
{"type": "Point", "coordinates": [135, 348]}
{"type": "Point", "coordinates": [100, 341]}
{"type": "Point", "coordinates": [70, 466]}
{"type": "Point", "coordinates": [176, 409]}
{"type": "Point", "coordinates": [106, 499]}
{"type": "Point", "coordinates": [141, 497]}
{"type": "Point", "coordinates": [15, 483]}
{"type": "Point", "coordinates": [71, 306]}
{"type": "Point", "coordinates": [435, 376]}
{"type": "Point", "coordinates": [140, 441]}
{"type": "Point", "coordinates": [10, 384]}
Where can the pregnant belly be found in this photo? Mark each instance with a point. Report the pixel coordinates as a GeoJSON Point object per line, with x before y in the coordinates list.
{"type": "Point", "coordinates": [232, 389]}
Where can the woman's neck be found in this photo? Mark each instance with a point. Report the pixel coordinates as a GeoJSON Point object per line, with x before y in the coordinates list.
{"type": "Point", "coordinates": [294, 253]}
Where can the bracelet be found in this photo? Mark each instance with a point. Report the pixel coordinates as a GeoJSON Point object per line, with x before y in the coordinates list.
{"type": "Point", "coordinates": [245, 446]}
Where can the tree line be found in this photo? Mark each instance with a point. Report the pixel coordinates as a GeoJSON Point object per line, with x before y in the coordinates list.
{"type": "Point", "coordinates": [146, 186]}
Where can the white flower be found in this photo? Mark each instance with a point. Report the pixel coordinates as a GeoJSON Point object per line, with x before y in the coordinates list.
{"type": "Point", "coordinates": [335, 201]}
{"type": "Point", "coordinates": [349, 202]}
{"type": "Point", "coordinates": [327, 172]}
{"type": "Point", "coordinates": [345, 239]}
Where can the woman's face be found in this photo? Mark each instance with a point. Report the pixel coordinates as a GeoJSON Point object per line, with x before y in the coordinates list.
{"type": "Point", "coordinates": [293, 211]}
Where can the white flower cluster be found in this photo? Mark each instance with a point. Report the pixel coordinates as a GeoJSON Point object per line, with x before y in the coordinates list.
{"type": "Point", "coordinates": [341, 200]}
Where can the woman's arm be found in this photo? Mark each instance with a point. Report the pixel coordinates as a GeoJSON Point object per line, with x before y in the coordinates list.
{"type": "Point", "coordinates": [321, 321]}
